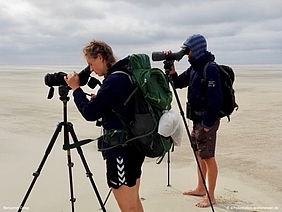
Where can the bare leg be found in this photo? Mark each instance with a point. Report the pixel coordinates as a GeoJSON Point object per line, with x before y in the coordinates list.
{"type": "Point", "coordinates": [200, 189]}
{"type": "Point", "coordinates": [212, 172]}
{"type": "Point", "coordinates": [139, 204]}
{"type": "Point", "coordinates": [128, 198]}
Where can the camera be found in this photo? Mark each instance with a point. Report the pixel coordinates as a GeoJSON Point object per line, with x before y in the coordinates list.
{"type": "Point", "coordinates": [57, 79]}
{"type": "Point", "coordinates": [159, 56]}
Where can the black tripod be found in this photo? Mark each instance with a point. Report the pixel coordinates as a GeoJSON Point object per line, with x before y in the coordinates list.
{"type": "Point", "coordinates": [167, 67]}
{"type": "Point", "coordinates": [68, 128]}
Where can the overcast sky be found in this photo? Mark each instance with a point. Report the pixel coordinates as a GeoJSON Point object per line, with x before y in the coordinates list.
{"type": "Point", "coordinates": [55, 31]}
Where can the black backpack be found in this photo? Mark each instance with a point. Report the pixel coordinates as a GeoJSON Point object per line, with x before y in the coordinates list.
{"type": "Point", "coordinates": [227, 78]}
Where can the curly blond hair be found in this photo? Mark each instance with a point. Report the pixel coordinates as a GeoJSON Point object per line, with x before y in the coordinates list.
{"type": "Point", "coordinates": [96, 47]}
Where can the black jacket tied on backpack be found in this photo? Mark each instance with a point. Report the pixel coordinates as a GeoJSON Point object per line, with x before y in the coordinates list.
{"type": "Point", "coordinates": [205, 99]}
{"type": "Point", "coordinates": [111, 96]}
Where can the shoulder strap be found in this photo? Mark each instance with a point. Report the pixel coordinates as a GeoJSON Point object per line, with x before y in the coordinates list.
{"type": "Point", "coordinates": [123, 72]}
{"type": "Point", "coordinates": [205, 70]}
{"type": "Point", "coordinates": [131, 80]}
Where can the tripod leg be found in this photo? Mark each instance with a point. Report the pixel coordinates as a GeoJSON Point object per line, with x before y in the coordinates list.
{"type": "Point", "coordinates": [88, 172]}
{"type": "Point", "coordinates": [168, 169]}
{"type": "Point", "coordinates": [189, 136]}
{"type": "Point", "coordinates": [107, 197]}
{"type": "Point", "coordinates": [37, 172]}
{"type": "Point", "coordinates": [70, 166]}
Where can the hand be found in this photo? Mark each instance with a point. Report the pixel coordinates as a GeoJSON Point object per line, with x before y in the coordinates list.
{"type": "Point", "coordinates": [72, 80]}
{"type": "Point", "coordinates": [167, 52]}
{"type": "Point", "coordinates": [206, 129]}
{"type": "Point", "coordinates": [93, 96]}
{"type": "Point", "coordinates": [172, 68]}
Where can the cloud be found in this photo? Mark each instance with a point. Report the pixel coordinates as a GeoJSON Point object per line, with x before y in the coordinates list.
{"type": "Point", "coordinates": [48, 32]}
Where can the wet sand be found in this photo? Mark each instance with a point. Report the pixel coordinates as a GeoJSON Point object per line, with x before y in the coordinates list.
{"type": "Point", "coordinates": [248, 149]}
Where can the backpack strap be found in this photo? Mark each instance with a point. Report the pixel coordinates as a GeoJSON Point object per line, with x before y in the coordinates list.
{"type": "Point", "coordinates": [204, 81]}
{"type": "Point", "coordinates": [77, 144]}
{"type": "Point", "coordinates": [204, 78]}
{"type": "Point", "coordinates": [131, 80]}
{"type": "Point", "coordinates": [205, 70]}
{"type": "Point", "coordinates": [122, 134]}
{"type": "Point", "coordinates": [123, 72]}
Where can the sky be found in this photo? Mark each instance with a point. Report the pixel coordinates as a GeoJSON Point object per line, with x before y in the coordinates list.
{"type": "Point", "coordinates": [54, 32]}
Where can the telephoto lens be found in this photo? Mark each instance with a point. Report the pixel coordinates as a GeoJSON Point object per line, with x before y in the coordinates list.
{"type": "Point", "coordinates": [159, 56]}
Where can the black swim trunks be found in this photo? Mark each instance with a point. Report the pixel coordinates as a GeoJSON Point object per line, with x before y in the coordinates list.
{"type": "Point", "coordinates": [124, 170]}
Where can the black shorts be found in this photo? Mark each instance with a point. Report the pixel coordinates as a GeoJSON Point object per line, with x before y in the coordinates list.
{"type": "Point", "coordinates": [124, 170]}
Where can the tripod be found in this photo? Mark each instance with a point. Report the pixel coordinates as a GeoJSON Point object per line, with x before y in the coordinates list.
{"type": "Point", "coordinates": [68, 128]}
{"type": "Point", "coordinates": [167, 67]}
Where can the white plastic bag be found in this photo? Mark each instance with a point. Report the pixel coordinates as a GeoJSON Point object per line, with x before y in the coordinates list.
{"type": "Point", "coordinates": [170, 125]}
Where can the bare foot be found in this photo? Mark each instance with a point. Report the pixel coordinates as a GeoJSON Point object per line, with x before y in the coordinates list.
{"type": "Point", "coordinates": [205, 203]}
{"type": "Point", "coordinates": [196, 192]}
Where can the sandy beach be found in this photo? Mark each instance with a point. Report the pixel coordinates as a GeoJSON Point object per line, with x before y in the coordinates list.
{"type": "Point", "coordinates": [248, 149]}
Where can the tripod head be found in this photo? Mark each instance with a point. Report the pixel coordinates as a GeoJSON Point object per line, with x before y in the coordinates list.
{"type": "Point", "coordinates": [63, 92]}
{"type": "Point", "coordinates": [167, 66]}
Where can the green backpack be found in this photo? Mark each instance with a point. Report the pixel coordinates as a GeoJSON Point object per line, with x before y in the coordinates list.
{"type": "Point", "coordinates": [152, 82]}
{"type": "Point", "coordinates": [152, 96]}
